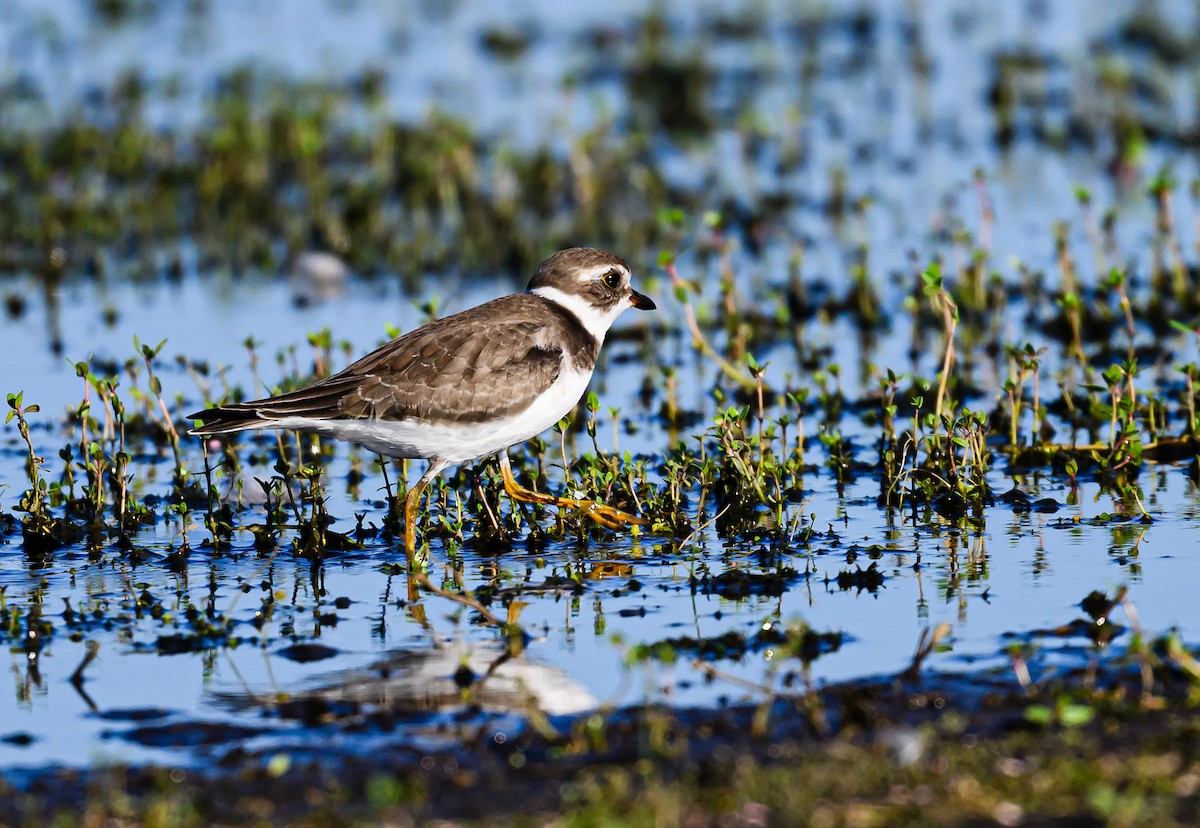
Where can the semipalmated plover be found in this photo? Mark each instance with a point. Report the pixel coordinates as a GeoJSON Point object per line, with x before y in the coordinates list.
{"type": "Point", "coordinates": [469, 385]}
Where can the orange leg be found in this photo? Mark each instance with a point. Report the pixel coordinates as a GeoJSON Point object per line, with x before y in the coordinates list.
{"type": "Point", "coordinates": [412, 501]}
{"type": "Point", "coordinates": [607, 516]}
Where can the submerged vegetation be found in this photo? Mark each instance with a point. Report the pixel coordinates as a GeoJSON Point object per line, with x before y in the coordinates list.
{"type": "Point", "coordinates": [1111, 744]}
{"type": "Point", "coordinates": [1076, 406]}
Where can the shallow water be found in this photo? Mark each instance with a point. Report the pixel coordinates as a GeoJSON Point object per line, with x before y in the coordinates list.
{"type": "Point", "coordinates": [1022, 572]}
{"type": "Point", "coordinates": [587, 606]}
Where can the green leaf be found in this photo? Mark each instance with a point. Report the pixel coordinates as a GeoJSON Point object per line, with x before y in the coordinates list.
{"type": "Point", "coordinates": [1075, 715]}
{"type": "Point", "coordinates": [671, 216]}
{"type": "Point", "coordinates": [1039, 714]}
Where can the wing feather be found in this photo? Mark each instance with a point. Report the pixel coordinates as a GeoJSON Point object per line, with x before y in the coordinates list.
{"type": "Point", "coordinates": [492, 360]}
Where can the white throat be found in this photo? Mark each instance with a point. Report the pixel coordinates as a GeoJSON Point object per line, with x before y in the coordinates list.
{"type": "Point", "coordinates": [595, 320]}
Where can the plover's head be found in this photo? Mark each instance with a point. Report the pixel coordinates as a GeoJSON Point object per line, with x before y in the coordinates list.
{"type": "Point", "coordinates": [592, 284]}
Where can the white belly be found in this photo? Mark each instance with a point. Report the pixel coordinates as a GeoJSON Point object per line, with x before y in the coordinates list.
{"type": "Point", "coordinates": [454, 443]}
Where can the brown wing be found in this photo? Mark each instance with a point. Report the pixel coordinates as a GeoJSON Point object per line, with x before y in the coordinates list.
{"type": "Point", "coordinates": [488, 361]}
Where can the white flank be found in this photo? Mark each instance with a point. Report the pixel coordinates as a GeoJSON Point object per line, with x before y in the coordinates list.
{"type": "Point", "coordinates": [596, 321]}
{"type": "Point", "coordinates": [453, 442]}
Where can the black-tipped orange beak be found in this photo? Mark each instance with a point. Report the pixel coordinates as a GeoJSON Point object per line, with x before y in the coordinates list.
{"type": "Point", "coordinates": [641, 301]}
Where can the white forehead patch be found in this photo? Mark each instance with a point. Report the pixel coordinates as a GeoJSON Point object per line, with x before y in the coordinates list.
{"type": "Point", "coordinates": [593, 274]}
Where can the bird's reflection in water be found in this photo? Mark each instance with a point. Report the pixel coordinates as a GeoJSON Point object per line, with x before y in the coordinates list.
{"type": "Point", "coordinates": [455, 674]}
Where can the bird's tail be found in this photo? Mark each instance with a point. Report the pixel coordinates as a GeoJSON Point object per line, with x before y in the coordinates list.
{"type": "Point", "coordinates": [226, 420]}
{"type": "Point", "coordinates": [316, 402]}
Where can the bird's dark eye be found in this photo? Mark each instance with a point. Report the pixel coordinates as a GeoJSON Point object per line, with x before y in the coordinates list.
{"type": "Point", "coordinates": [612, 280]}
